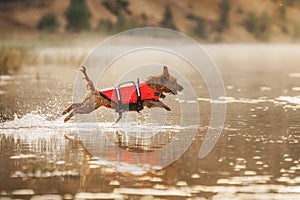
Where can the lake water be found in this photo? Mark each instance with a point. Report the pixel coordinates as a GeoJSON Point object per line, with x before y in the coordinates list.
{"type": "Point", "coordinates": [256, 157]}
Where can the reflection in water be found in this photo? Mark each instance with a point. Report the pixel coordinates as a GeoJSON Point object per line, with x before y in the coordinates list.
{"type": "Point", "coordinates": [256, 157]}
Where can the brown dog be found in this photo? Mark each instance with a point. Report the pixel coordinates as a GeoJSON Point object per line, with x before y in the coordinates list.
{"type": "Point", "coordinates": [94, 99]}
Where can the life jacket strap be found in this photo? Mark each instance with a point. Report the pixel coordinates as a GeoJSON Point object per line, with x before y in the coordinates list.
{"type": "Point", "coordinates": [139, 104]}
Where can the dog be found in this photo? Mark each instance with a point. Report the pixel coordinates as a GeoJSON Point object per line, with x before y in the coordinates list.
{"type": "Point", "coordinates": [146, 94]}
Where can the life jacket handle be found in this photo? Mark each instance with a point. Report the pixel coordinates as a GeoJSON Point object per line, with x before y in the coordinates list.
{"type": "Point", "coordinates": [138, 92]}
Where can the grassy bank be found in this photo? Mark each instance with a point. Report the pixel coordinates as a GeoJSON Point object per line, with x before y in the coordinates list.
{"type": "Point", "coordinates": [36, 49]}
{"type": "Point", "coordinates": [44, 49]}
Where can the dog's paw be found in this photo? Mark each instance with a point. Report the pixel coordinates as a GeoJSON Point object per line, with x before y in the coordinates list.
{"type": "Point", "coordinates": [167, 108]}
{"type": "Point", "coordinates": [82, 69]}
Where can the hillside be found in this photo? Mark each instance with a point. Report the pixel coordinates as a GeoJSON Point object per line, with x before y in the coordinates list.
{"type": "Point", "coordinates": [206, 20]}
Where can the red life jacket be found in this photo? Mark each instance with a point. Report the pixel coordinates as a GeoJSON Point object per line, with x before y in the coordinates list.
{"type": "Point", "coordinates": [130, 94]}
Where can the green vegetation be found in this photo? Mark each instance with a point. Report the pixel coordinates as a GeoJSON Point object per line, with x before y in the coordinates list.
{"type": "Point", "coordinates": [296, 31]}
{"type": "Point", "coordinates": [282, 10]}
{"type": "Point", "coordinates": [21, 52]}
{"type": "Point", "coordinates": [105, 26]}
{"type": "Point", "coordinates": [284, 28]}
{"type": "Point", "coordinates": [167, 21]}
{"type": "Point", "coordinates": [240, 9]}
{"type": "Point", "coordinates": [258, 25]}
{"type": "Point", "coordinates": [218, 38]}
{"type": "Point", "coordinates": [48, 23]}
{"type": "Point", "coordinates": [224, 8]}
{"type": "Point", "coordinates": [122, 24]}
{"type": "Point", "coordinates": [200, 29]}
{"type": "Point", "coordinates": [224, 18]}
{"type": "Point", "coordinates": [78, 16]}
{"type": "Point", "coordinates": [116, 6]}
{"type": "Point", "coordinates": [11, 59]}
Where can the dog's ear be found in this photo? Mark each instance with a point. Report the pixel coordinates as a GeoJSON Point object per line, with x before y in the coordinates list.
{"type": "Point", "coordinates": [166, 73]}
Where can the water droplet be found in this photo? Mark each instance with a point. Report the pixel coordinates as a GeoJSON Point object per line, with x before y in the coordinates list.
{"type": "Point", "coordinates": [159, 187]}
{"type": "Point", "coordinates": [114, 183]}
{"type": "Point", "coordinates": [23, 192]}
{"type": "Point", "coordinates": [256, 157]}
{"type": "Point", "coordinates": [294, 75]}
{"type": "Point", "coordinates": [195, 176]}
{"type": "Point", "coordinates": [238, 167]}
{"type": "Point", "coordinates": [249, 173]}
{"type": "Point", "coordinates": [296, 89]}
{"type": "Point", "coordinates": [68, 196]}
{"type": "Point", "coordinates": [259, 163]}
{"type": "Point", "coordinates": [288, 159]}
{"type": "Point", "coordinates": [94, 166]}
{"type": "Point", "coordinates": [156, 179]}
{"type": "Point", "coordinates": [282, 170]}
{"type": "Point", "coordinates": [60, 162]}
{"type": "Point", "coordinates": [181, 183]}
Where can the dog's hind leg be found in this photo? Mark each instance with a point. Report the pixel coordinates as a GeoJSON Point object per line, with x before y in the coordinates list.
{"type": "Point", "coordinates": [91, 101]}
{"type": "Point", "coordinates": [75, 111]}
{"type": "Point", "coordinates": [84, 109]}
{"type": "Point", "coordinates": [89, 86]}
{"type": "Point", "coordinates": [69, 117]}
{"type": "Point", "coordinates": [71, 107]}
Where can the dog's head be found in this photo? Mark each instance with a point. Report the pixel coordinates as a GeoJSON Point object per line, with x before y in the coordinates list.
{"type": "Point", "coordinates": [169, 83]}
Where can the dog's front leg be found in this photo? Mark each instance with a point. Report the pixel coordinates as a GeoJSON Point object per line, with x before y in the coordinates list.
{"type": "Point", "coordinates": [153, 104]}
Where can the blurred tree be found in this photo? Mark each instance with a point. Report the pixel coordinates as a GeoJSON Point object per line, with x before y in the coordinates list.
{"type": "Point", "coordinates": [78, 16]}
{"type": "Point", "coordinates": [265, 22]}
{"type": "Point", "coordinates": [258, 25]}
{"type": "Point", "coordinates": [26, 3]}
{"type": "Point", "coordinates": [240, 9]}
{"type": "Point", "coordinates": [3, 64]}
{"type": "Point", "coordinates": [122, 24]}
{"type": "Point", "coordinates": [282, 10]}
{"type": "Point", "coordinates": [200, 28]}
{"type": "Point", "coordinates": [116, 6]}
{"type": "Point", "coordinates": [251, 22]}
{"type": "Point", "coordinates": [120, 9]}
{"type": "Point", "coordinates": [105, 26]}
{"type": "Point", "coordinates": [48, 23]}
{"type": "Point", "coordinates": [296, 31]}
{"type": "Point", "coordinates": [224, 8]}
{"type": "Point", "coordinates": [167, 21]}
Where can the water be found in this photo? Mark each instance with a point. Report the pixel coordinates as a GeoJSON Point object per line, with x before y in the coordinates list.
{"type": "Point", "coordinates": [256, 157]}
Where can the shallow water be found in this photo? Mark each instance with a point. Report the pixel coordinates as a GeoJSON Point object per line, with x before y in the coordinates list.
{"type": "Point", "coordinates": [256, 157]}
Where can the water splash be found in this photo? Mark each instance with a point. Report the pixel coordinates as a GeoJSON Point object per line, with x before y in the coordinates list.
{"type": "Point", "coordinates": [5, 79]}
{"type": "Point", "coordinates": [285, 101]}
{"type": "Point", "coordinates": [30, 120]}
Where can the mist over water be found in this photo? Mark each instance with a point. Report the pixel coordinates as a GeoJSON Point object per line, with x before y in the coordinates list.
{"type": "Point", "coordinates": [256, 157]}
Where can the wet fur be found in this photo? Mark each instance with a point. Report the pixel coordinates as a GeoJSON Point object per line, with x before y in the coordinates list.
{"type": "Point", "coordinates": [165, 83]}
